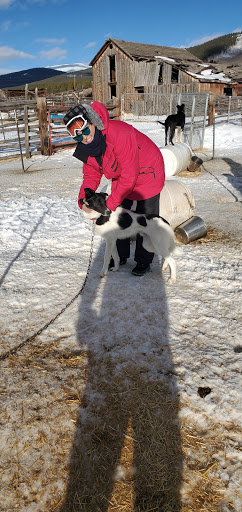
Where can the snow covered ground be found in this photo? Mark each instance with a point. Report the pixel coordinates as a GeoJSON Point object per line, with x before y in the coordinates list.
{"type": "Point", "coordinates": [129, 396]}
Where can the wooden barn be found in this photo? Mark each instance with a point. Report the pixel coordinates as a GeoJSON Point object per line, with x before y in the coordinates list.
{"type": "Point", "coordinates": [126, 67]}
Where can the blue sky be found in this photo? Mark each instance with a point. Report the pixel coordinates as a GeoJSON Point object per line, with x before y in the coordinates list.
{"type": "Point", "coordinates": [40, 33]}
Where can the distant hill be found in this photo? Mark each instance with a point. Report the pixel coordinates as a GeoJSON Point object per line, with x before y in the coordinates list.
{"type": "Point", "coordinates": [62, 82]}
{"type": "Point", "coordinates": [27, 76]}
{"type": "Point", "coordinates": [225, 49]}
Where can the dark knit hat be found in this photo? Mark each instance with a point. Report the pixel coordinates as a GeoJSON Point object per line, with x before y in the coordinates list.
{"type": "Point", "coordinates": [87, 112]}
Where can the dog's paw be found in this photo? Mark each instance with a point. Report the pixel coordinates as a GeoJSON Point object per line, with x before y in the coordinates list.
{"type": "Point", "coordinates": [171, 280]}
{"type": "Point", "coordinates": [103, 274]}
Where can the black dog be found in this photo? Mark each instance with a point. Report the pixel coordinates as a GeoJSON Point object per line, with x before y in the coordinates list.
{"type": "Point", "coordinates": [173, 121]}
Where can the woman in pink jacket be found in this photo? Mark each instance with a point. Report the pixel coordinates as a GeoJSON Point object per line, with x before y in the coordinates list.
{"type": "Point", "coordinates": [127, 157]}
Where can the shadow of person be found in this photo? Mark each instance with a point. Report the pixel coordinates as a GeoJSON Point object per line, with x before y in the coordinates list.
{"type": "Point", "coordinates": [235, 179]}
{"type": "Point", "coordinates": [126, 453]}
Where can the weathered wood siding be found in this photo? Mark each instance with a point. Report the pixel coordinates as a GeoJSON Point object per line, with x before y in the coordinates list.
{"type": "Point", "coordinates": [21, 133]}
{"type": "Point", "coordinates": [217, 89]}
{"type": "Point", "coordinates": [124, 74]}
{"type": "Point", "coordinates": [145, 74]}
{"type": "Point", "coordinates": [173, 88]}
{"type": "Point", "coordinates": [130, 75]}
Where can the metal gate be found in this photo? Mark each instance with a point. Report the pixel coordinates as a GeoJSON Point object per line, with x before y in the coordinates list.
{"type": "Point", "coordinates": [156, 107]}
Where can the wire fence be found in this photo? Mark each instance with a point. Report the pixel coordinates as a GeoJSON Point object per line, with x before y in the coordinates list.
{"type": "Point", "coordinates": [156, 107]}
{"type": "Point", "coordinates": [20, 126]}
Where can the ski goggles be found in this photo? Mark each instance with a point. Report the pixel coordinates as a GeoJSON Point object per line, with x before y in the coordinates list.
{"type": "Point", "coordinates": [76, 124]}
{"type": "Point", "coordinates": [79, 137]}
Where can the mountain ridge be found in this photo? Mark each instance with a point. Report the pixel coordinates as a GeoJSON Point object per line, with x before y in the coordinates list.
{"type": "Point", "coordinates": [33, 75]}
{"type": "Point", "coordinates": [224, 49]}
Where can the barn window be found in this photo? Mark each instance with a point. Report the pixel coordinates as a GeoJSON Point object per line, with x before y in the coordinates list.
{"type": "Point", "coordinates": [174, 75]}
{"type": "Point", "coordinates": [112, 68]}
{"type": "Point", "coordinates": [140, 90]}
{"type": "Point", "coordinates": [160, 77]}
{"type": "Point", "coordinates": [113, 91]}
{"type": "Point", "coordinates": [228, 91]}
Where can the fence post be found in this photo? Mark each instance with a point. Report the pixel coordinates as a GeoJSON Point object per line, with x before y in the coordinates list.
{"type": "Point", "coordinates": [43, 125]}
{"type": "Point", "coordinates": [229, 107]}
{"type": "Point", "coordinates": [19, 141]}
{"type": "Point", "coordinates": [26, 129]}
{"type": "Point", "coordinates": [210, 109]}
{"type": "Point", "coordinates": [204, 121]}
{"type": "Point", "coordinates": [192, 120]}
{"type": "Point", "coordinates": [170, 104]}
{"type": "Point", "coordinates": [213, 134]}
{"type": "Point", "coordinates": [2, 126]}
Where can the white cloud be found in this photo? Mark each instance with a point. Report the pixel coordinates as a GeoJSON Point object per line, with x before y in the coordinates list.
{"type": "Point", "coordinates": [5, 71]}
{"type": "Point", "coordinates": [8, 25]}
{"type": "Point", "coordinates": [91, 44]}
{"type": "Point", "coordinates": [51, 41]}
{"type": "Point", "coordinates": [7, 53]}
{"type": "Point", "coordinates": [201, 40]}
{"type": "Point", "coordinates": [5, 26]}
{"type": "Point", "coordinates": [54, 53]}
{"type": "Point", "coordinates": [4, 4]}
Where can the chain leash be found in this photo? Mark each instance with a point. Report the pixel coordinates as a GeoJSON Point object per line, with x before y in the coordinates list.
{"type": "Point", "coordinates": [42, 329]}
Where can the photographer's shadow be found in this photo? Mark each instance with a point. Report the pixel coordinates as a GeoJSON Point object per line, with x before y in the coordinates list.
{"type": "Point", "coordinates": [127, 450]}
{"type": "Point", "coordinates": [235, 177]}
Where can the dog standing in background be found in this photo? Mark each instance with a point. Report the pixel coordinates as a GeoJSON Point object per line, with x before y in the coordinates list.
{"type": "Point", "coordinates": [173, 121]}
{"type": "Point", "coordinates": [158, 236]}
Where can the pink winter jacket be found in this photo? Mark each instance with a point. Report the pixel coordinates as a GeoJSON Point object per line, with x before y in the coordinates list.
{"type": "Point", "coordinates": [131, 160]}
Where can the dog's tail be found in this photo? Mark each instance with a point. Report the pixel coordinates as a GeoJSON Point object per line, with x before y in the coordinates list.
{"type": "Point", "coordinates": [160, 122]}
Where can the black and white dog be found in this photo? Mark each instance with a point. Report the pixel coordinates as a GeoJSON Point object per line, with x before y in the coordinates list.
{"type": "Point", "coordinates": [158, 236]}
{"type": "Point", "coordinates": [173, 121]}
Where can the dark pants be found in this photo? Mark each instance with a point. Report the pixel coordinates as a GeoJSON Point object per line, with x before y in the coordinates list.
{"type": "Point", "coordinates": [147, 206]}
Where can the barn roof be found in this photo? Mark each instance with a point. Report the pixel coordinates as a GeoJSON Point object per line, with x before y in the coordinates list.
{"type": "Point", "coordinates": [178, 57]}
{"type": "Point", "coordinates": [140, 51]}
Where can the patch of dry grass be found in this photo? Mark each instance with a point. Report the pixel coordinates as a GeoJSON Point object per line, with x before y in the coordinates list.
{"type": "Point", "coordinates": [126, 451]}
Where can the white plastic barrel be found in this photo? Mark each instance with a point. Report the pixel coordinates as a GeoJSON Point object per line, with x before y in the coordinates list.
{"type": "Point", "coordinates": [177, 202]}
{"type": "Point", "coordinates": [176, 158]}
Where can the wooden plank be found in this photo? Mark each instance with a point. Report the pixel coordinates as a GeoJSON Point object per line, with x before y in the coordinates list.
{"type": "Point", "coordinates": [16, 104]}
{"type": "Point", "coordinates": [26, 134]}
{"type": "Point", "coordinates": [20, 148]}
{"type": "Point", "coordinates": [43, 125]}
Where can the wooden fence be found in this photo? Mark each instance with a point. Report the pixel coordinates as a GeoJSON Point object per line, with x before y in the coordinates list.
{"type": "Point", "coordinates": [19, 127]}
{"type": "Point", "coordinates": [32, 126]}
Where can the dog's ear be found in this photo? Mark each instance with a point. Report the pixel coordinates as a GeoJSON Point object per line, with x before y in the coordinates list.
{"type": "Point", "coordinates": [104, 194]}
{"type": "Point", "coordinates": [89, 193]}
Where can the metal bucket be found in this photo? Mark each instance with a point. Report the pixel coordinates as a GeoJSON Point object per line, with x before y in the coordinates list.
{"type": "Point", "coordinates": [191, 230]}
{"type": "Point", "coordinates": [176, 158]}
{"type": "Point", "coordinates": [177, 202]}
{"type": "Point", "coordinates": [196, 162]}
